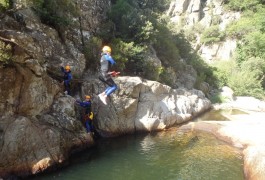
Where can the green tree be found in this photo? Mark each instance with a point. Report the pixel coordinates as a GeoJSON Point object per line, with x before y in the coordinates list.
{"type": "Point", "coordinates": [255, 44]}
{"type": "Point", "coordinates": [167, 49]}
{"type": "Point", "coordinates": [211, 35]}
{"type": "Point", "coordinates": [250, 52]}
{"type": "Point", "coordinates": [135, 20]}
{"type": "Point", "coordinates": [223, 71]}
{"type": "Point", "coordinates": [135, 27]}
{"type": "Point", "coordinates": [129, 56]}
{"type": "Point", "coordinates": [255, 64]}
{"type": "Point", "coordinates": [57, 14]}
{"type": "Point", "coordinates": [91, 49]}
{"type": "Point", "coordinates": [246, 83]}
{"type": "Point", "coordinates": [241, 5]}
{"type": "Point", "coordinates": [5, 53]}
{"type": "Point", "coordinates": [243, 80]}
{"type": "Point", "coordinates": [4, 5]}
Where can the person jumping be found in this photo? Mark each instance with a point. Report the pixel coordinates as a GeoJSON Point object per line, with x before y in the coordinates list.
{"type": "Point", "coordinates": [106, 62]}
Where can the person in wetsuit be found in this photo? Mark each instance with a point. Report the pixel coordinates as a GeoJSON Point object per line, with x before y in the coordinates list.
{"type": "Point", "coordinates": [88, 114]}
{"type": "Point", "coordinates": [106, 62]}
{"type": "Point", "coordinates": [66, 78]}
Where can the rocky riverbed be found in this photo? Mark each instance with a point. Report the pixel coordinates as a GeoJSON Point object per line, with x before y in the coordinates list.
{"type": "Point", "coordinates": [245, 131]}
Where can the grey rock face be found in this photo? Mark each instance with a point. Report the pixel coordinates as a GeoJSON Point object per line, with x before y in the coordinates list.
{"type": "Point", "coordinates": [38, 126]}
{"type": "Point", "coordinates": [192, 13]}
{"type": "Point", "coordinates": [142, 105]}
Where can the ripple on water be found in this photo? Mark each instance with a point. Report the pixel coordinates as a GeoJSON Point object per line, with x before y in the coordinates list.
{"type": "Point", "coordinates": [165, 155]}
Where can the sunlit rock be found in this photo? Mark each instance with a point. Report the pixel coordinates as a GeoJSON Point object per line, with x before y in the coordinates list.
{"type": "Point", "coordinates": [142, 105]}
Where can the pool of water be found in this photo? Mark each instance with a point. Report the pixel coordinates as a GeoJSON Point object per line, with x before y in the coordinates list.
{"type": "Point", "coordinates": [169, 155]}
{"type": "Point", "coordinates": [219, 115]}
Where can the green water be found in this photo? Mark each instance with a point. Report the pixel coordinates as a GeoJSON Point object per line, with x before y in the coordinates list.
{"type": "Point", "coordinates": [219, 115]}
{"type": "Point", "coordinates": [169, 155]}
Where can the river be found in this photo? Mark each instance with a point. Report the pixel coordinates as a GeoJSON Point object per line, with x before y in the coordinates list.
{"type": "Point", "coordinates": [169, 155]}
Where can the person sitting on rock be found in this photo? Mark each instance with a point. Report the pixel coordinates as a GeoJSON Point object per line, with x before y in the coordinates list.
{"type": "Point", "coordinates": [106, 62]}
{"type": "Point", "coordinates": [88, 115]}
{"type": "Point", "coordinates": [67, 78]}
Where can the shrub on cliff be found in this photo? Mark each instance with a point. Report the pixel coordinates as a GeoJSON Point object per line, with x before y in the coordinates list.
{"type": "Point", "coordinates": [243, 81]}
{"type": "Point", "coordinates": [5, 53]}
{"type": "Point", "coordinates": [129, 56]}
{"type": "Point", "coordinates": [212, 34]}
{"type": "Point", "coordinates": [250, 32]}
{"type": "Point", "coordinates": [57, 14]}
{"type": "Point", "coordinates": [241, 5]}
{"type": "Point", "coordinates": [4, 4]}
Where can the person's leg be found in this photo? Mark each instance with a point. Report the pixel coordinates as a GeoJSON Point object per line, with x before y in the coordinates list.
{"type": "Point", "coordinates": [91, 125]}
{"type": "Point", "coordinates": [112, 88]}
{"type": "Point", "coordinates": [69, 90]}
{"type": "Point", "coordinates": [108, 88]}
{"type": "Point", "coordinates": [67, 87]}
{"type": "Point", "coordinates": [103, 79]}
{"type": "Point", "coordinates": [88, 129]}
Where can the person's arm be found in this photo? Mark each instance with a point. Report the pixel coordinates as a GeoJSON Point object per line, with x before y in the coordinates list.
{"type": "Point", "coordinates": [77, 101]}
{"type": "Point", "coordinates": [62, 68]}
{"type": "Point", "coordinates": [111, 63]}
{"type": "Point", "coordinates": [110, 59]}
{"type": "Point", "coordinates": [63, 71]}
{"type": "Point", "coordinates": [85, 103]}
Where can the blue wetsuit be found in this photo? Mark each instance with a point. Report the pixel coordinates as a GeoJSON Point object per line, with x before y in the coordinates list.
{"type": "Point", "coordinates": [106, 62]}
{"type": "Point", "coordinates": [67, 79]}
{"type": "Point", "coordinates": [88, 121]}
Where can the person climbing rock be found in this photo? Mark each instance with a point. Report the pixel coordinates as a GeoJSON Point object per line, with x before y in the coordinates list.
{"type": "Point", "coordinates": [67, 78]}
{"type": "Point", "coordinates": [87, 118]}
{"type": "Point", "coordinates": [106, 62]}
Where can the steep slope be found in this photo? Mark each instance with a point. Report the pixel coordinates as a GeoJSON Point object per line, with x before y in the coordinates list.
{"type": "Point", "coordinates": [198, 16]}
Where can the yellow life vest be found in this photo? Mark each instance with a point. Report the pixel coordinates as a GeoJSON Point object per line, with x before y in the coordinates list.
{"type": "Point", "coordinates": [89, 116]}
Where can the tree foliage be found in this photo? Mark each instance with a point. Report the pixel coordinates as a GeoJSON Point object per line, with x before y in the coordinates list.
{"type": "Point", "coordinates": [57, 14]}
{"type": "Point", "coordinates": [91, 49]}
{"type": "Point", "coordinates": [5, 53]}
{"type": "Point", "coordinates": [136, 26]}
{"type": "Point", "coordinates": [134, 20]}
{"type": "Point", "coordinates": [211, 35]}
{"type": "Point", "coordinates": [140, 24]}
{"type": "Point", "coordinates": [128, 55]}
{"type": "Point", "coordinates": [4, 5]}
{"type": "Point", "coordinates": [241, 5]}
{"type": "Point", "coordinates": [243, 80]}
{"type": "Point", "coordinates": [250, 53]}
{"type": "Point", "coordinates": [166, 48]}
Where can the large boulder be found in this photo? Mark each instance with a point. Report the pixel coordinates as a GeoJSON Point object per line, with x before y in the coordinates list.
{"type": "Point", "coordinates": [254, 162]}
{"type": "Point", "coordinates": [32, 144]}
{"type": "Point", "coordinates": [143, 105]}
{"type": "Point", "coordinates": [244, 131]}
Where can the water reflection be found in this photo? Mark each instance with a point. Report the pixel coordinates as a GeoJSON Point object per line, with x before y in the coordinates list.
{"type": "Point", "coordinates": [219, 115]}
{"type": "Point", "coordinates": [147, 144]}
